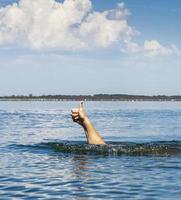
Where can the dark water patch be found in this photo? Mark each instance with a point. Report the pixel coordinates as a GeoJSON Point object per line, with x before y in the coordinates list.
{"type": "Point", "coordinates": [120, 148]}
{"type": "Point", "coordinates": [160, 148]}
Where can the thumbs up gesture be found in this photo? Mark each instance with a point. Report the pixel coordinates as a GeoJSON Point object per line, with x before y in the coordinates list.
{"type": "Point", "coordinates": [78, 114]}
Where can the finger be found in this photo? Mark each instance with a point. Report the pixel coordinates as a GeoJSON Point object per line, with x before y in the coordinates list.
{"type": "Point", "coordinates": [75, 117]}
{"type": "Point", "coordinates": [81, 107]}
{"type": "Point", "coordinates": [74, 114]}
{"type": "Point", "coordinates": [75, 110]}
{"type": "Point", "coordinates": [76, 120]}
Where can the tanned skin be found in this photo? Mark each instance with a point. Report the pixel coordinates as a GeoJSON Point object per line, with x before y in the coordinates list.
{"type": "Point", "coordinates": [79, 116]}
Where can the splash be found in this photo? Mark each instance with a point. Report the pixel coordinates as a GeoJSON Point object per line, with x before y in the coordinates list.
{"type": "Point", "coordinates": [123, 148]}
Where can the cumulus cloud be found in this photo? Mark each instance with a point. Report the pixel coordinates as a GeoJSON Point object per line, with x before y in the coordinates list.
{"type": "Point", "coordinates": [154, 48]}
{"type": "Point", "coordinates": [71, 25]}
{"type": "Point", "coordinates": [151, 48]}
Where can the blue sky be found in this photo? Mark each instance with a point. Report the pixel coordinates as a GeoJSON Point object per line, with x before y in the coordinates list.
{"type": "Point", "coordinates": [132, 49]}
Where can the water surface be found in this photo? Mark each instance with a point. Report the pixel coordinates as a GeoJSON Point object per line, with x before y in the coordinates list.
{"type": "Point", "coordinates": [43, 154]}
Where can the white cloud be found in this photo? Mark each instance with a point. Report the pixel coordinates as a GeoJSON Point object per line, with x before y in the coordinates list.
{"type": "Point", "coordinates": [150, 48]}
{"type": "Point", "coordinates": [131, 47]}
{"type": "Point", "coordinates": [70, 25]}
{"type": "Point", "coordinates": [154, 48]}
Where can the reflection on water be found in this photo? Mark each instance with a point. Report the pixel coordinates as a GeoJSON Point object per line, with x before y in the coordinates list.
{"type": "Point", "coordinates": [142, 160]}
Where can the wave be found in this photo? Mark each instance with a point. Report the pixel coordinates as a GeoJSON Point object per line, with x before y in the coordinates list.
{"type": "Point", "coordinates": [160, 148]}
{"type": "Point", "coordinates": [120, 148]}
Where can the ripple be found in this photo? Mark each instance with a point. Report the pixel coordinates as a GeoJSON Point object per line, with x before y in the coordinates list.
{"type": "Point", "coordinates": [36, 164]}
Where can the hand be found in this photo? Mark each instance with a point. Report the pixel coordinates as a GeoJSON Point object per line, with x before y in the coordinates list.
{"type": "Point", "coordinates": [78, 114]}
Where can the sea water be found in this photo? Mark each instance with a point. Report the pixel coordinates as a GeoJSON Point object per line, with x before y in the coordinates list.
{"type": "Point", "coordinates": [43, 154]}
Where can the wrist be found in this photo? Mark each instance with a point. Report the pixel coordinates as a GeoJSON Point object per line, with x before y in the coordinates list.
{"type": "Point", "coordinates": [86, 121]}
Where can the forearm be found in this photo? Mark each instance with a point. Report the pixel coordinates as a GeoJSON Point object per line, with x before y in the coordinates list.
{"type": "Point", "coordinates": [79, 116]}
{"type": "Point", "coordinates": [93, 137]}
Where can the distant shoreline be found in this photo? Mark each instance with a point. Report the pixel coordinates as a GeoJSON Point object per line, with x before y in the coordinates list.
{"type": "Point", "coordinates": [86, 100]}
{"type": "Point", "coordinates": [96, 97]}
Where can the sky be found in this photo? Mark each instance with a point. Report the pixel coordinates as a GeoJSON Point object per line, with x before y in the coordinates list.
{"type": "Point", "coordinates": [90, 47]}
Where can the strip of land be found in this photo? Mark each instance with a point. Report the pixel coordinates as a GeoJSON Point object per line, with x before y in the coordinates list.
{"type": "Point", "coordinates": [96, 97]}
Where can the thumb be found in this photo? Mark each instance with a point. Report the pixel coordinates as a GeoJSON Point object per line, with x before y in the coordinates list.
{"type": "Point", "coordinates": [81, 107]}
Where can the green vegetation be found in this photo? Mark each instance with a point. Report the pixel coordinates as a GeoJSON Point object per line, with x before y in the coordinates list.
{"type": "Point", "coordinates": [96, 97]}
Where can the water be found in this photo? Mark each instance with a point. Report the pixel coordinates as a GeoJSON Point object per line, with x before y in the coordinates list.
{"type": "Point", "coordinates": [43, 154]}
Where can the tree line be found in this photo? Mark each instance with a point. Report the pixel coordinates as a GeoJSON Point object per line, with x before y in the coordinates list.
{"type": "Point", "coordinates": [95, 97]}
